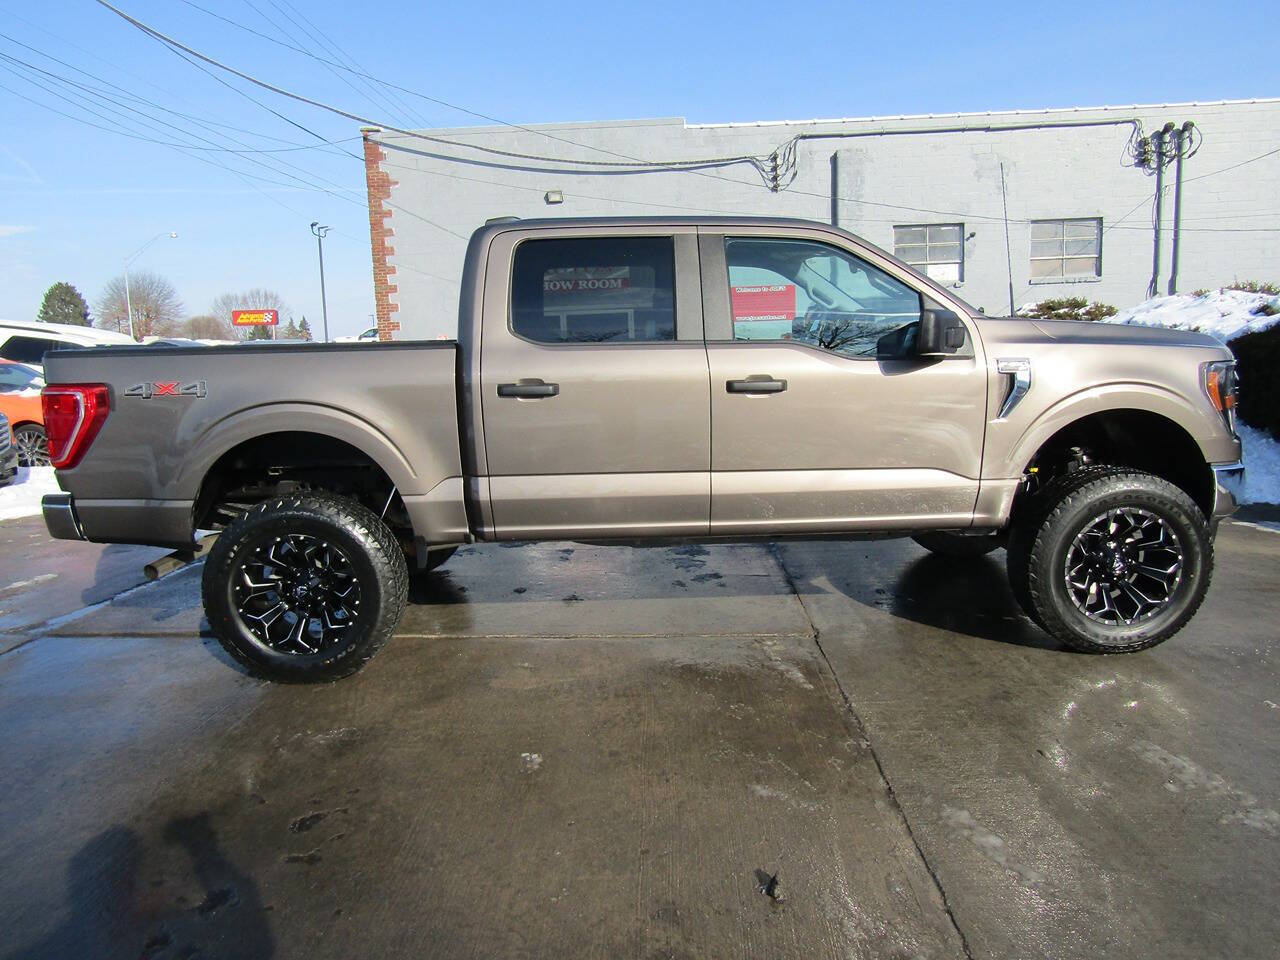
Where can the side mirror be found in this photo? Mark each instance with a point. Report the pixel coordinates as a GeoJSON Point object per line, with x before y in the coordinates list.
{"type": "Point", "coordinates": [941, 333]}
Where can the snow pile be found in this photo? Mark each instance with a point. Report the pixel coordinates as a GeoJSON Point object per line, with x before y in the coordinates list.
{"type": "Point", "coordinates": [1225, 314]}
{"type": "Point", "coordinates": [1261, 466]}
{"type": "Point", "coordinates": [22, 495]}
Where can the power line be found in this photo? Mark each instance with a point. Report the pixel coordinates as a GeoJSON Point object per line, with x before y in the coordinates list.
{"type": "Point", "coordinates": [630, 163]}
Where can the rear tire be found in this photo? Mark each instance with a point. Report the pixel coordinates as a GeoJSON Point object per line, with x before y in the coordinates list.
{"type": "Point", "coordinates": [305, 588]}
{"type": "Point", "coordinates": [1111, 560]}
{"type": "Point", "coordinates": [957, 544]}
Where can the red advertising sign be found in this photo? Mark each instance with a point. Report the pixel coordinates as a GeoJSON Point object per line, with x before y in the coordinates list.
{"type": "Point", "coordinates": [767, 302]}
{"type": "Point", "coordinates": [255, 318]}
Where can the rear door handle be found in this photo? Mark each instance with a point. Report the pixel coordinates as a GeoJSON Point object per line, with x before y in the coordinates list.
{"type": "Point", "coordinates": [529, 389]}
{"type": "Point", "coordinates": [755, 386]}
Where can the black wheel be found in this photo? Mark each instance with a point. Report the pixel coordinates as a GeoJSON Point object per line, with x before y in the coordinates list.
{"type": "Point", "coordinates": [32, 446]}
{"type": "Point", "coordinates": [1111, 560]}
{"type": "Point", "coordinates": [957, 544]}
{"type": "Point", "coordinates": [305, 588]}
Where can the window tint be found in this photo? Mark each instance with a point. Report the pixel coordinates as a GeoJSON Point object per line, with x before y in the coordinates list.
{"type": "Point", "coordinates": [14, 377]}
{"type": "Point", "coordinates": [1066, 248]}
{"type": "Point", "coordinates": [594, 290]}
{"type": "Point", "coordinates": [935, 249]}
{"type": "Point", "coordinates": [29, 349]}
{"type": "Point", "coordinates": [811, 293]}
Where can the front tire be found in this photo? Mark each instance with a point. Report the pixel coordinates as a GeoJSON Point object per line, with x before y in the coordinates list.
{"type": "Point", "coordinates": [1111, 560]}
{"type": "Point", "coordinates": [305, 588]}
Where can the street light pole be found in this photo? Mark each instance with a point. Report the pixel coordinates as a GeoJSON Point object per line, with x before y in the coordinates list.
{"type": "Point", "coordinates": [320, 233]}
{"type": "Point", "coordinates": [128, 301]}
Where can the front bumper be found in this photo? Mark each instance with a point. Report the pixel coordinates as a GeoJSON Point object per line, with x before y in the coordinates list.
{"type": "Point", "coordinates": [1228, 484]}
{"type": "Point", "coordinates": [60, 517]}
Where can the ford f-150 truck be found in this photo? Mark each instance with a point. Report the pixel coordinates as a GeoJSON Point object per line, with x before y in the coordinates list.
{"type": "Point", "coordinates": [659, 380]}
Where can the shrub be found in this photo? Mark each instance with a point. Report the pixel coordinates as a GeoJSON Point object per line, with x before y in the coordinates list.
{"type": "Point", "coordinates": [1067, 308]}
{"type": "Point", "coordinates": [1258, 356]}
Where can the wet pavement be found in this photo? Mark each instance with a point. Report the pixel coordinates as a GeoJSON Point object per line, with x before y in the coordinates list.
{"type": "Point", "coordinates": [573, 750]}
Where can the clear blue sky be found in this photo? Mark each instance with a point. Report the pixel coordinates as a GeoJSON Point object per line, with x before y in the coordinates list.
{"type": "Point", "coordinates": [75, 200]}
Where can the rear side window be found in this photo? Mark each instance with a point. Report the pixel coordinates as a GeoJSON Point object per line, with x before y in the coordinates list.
{"type": "Point", "coordinates": [594, 290]}
{"type": "Point", "coordinates": [30, 349]}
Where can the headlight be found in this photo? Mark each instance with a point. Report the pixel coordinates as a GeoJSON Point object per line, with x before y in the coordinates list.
{"type": "Point", "coordinates": [1220, 384]}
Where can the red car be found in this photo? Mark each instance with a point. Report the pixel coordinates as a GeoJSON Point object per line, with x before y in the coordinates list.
{"type": "Point", "coordinates": [20, 386]}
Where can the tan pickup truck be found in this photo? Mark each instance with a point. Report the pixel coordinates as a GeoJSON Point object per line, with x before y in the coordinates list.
{"type": "Point", "coordinates": [660, 380]}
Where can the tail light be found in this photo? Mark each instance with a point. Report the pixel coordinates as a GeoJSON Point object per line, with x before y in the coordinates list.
{"type": "Point", "coordinates": [1220, 384]}
{"type": "Point", "coordinates": [73, 415]}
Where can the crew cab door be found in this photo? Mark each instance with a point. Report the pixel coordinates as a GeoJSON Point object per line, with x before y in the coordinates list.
{"type": "Point", "coordinates": [823, 417]}
{"type": "Point", "coordinates": [594, 384]}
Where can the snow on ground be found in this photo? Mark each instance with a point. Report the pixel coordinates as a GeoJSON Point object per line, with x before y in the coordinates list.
{"type": "Point", "coordinates": [1261, 466]}
{"type": "Point", "coordinates": [1225, 314]}
{"type": "Point", "coordinates": [21, 496]}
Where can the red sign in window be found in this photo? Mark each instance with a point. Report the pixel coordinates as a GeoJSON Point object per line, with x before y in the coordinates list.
{"type": "Point", "coordinates": [768, 302]}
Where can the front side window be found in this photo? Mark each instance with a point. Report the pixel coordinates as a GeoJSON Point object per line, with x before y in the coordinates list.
{"type": "Point", "coordinates": [812, 293]}
{"type": "Point", "coordinates": [935, 249]}
{"type": "Point", "coordinates": [594, 290]}
{"type": "Point", "coordinates": [1066, 248]}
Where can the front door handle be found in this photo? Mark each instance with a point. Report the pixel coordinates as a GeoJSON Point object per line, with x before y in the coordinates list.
{"type": "Point", "coordinates": [755, 386]}
{"type": "Point", "coordinates": [529, 389]}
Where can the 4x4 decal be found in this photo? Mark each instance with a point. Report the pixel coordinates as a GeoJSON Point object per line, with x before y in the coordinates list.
{"type": "Point", "coordinates": [168, 388]}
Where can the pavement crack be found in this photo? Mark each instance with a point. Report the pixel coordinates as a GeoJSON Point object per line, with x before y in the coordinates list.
{"type": "Point", "coordinates": [865, 734]}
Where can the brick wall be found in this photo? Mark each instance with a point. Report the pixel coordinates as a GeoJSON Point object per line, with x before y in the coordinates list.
{"type": "Point", "coordinates": [379, 183]}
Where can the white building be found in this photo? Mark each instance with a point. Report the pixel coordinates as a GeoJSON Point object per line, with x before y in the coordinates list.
{"type": "Point", "coordinates": [1052, 203]}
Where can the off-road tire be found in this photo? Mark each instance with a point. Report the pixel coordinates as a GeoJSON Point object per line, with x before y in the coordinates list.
{"type": "Point", "coordinates": [957, 544]}
{"type": "Point", "coordinates": [1047, 525]}
{"type": "Point", "coordinates": [375, 559]}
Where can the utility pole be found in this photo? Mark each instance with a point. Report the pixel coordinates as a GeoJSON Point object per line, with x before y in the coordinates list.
{"type": "Point", "coordinates": [1182, 140]}
{"type": "Point", "coordinates": [1158, 138]}
{"type": "Point", "coordinates": [320, 233]}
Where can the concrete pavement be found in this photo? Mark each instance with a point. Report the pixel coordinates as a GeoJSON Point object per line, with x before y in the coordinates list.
{"type": "Point", "coordinates": [589, 751]}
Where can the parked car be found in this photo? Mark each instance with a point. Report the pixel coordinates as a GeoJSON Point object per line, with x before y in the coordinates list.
{"type": "Point", "coordinates": [28, 342]}
{"type": "Point", "coordinates": [654, 379]}
{"type": "Point", "coordinates": [366, 336]}
{"type": "Point", "coordinates": [20, 386]}
{"type": "Point", "coordinates": [8, 455]}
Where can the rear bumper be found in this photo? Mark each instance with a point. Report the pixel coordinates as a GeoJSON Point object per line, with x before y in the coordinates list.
{"type": "Point", "coordinates": [1228, 484]}
{"type": "Point", "coordinates": [60, 517]}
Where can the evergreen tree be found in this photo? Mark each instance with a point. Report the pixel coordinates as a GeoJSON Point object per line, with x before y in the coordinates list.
{"type": "Point", "coordinates": [304, 330]}
{"type": "Point", "coordinates": [63, 304]}
{"type": "Point", "coordinates": [291, 330]}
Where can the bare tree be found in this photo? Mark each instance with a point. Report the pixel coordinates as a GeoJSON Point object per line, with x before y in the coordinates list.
{"type": "Point", "coordinates": [156, 305]}
{"type": "Point", "coordinates": [255, 299]}
{"type": "Point", "coordinates": [206, 326]}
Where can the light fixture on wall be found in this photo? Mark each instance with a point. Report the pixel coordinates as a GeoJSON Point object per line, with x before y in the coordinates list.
{"type": "Point", "coordinates": [553, 196]}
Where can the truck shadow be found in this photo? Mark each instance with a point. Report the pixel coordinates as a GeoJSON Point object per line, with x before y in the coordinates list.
{"type": "Point", "coordinates": [967, 596]}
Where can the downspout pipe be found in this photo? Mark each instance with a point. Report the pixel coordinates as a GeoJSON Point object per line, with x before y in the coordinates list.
{"type": "Point", "coordinates": [835, 188]}
{"type": "Point", "coordinates": [1182, 140]}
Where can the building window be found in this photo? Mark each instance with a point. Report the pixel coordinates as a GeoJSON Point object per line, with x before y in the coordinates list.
{"type": "Point", "coordinates": [594, 290]}
{"type": "Point", "coordinates": [935, 249]}
{"type": "Point", "coordinates": [1066, 248]}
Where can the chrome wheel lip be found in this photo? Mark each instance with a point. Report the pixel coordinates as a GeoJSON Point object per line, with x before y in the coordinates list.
{"type": "Point", "coordinates": [1124, 567]}
{"type": "Point", "coordinates": [296, 594]}
{"type": "Point", "coordinates": [32, 449]}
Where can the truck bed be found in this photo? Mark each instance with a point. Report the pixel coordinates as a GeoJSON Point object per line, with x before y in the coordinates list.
{"type": "Point", "coordinates": [175, 411]}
